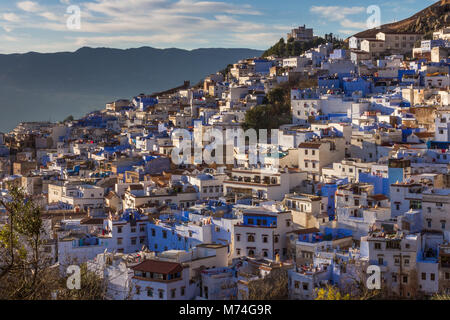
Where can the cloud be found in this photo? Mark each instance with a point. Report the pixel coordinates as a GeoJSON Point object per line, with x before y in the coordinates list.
{"type": "Point", "coordinates": [49, 16]}
{"type": "Point", "coordinates": [340, 14]}
{"type": "Point", "coordinates": [108, 40]}
{"type": "Point", "coordinates": [9, 38]}
{"type": "Point", "coordinates": [11, 17]}
{"type": "Point", "coordinates": [29, 6]}
{"type": "Point", "coordinates": [336, 13]}
{"type": "Point", "coordinates": [186, 23]}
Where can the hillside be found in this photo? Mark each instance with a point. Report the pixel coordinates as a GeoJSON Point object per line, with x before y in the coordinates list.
{"type": "Point", "coordinates": [36, 86]}
{"type": "Point", "coordinates": [426, 21]}
{"type": "Point", "coordinates": [290, 48]}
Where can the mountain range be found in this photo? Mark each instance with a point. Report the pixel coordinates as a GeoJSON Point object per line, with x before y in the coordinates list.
{"type": "Point", "coordinates": [51, 86]}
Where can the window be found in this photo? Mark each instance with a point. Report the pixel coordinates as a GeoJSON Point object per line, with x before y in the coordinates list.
{"type": "Point", "coordinates": [149, 292]}
{"type": "Point", "coordinates": [153, 232]}
{"type": "Point", "coordinates": [296, 284]}
{"type": "Point", "coordinates": [429, 223]}
{"type": "Point", "coordinates": [447, 275]}
{"type": "Point", "coordinates": [406, 262]}
{"type": "Point", "coordinates": [138, 290]}
{"type": "Point", "coordinates": [238, 237]}
{"type": "Point", "coordinates": [161, 294]}
{"type": "Point", "coordinates": [443, 224]}
{"type": "Point", "coordinates": [405, 279]}
{"type": "Point", "coordinates": [424, 276]}
{"type": "Point", "coordinates": [250, 238]}
{"type": "Point", "coordinates": [305, 286]}
{"type": "Point", "coordinates": [415, 204]}
{"type": "Point", "coordinates": [275, 239]}
{"type": "Point", "coordinates": [164, 233]}
{"type": "Point", "coordinates": [119, 241]}
{"type": "Point", "coordinates": [133, 229]}
{"type": "Point", "coordinates": [133, 241]}
{"type": "Point", "coordinates": [377, 246]}
{"type": "Point", "coordinates": [119, 229]}
{"type": "Point", "coordinates": [141, 228]}
{"type": "Point", "coordinates": [264, 238]}
{"type": "Point", "coordinates": [432, 276]}
{"type": "Point", "coordinates": [238, 252]}
{"type": "Point", "coordinates": [182, 291]}
{"type": "Point", "coordinates": [141, 240]}
{"type": "Point", "coordinates": [380, 261]}
{"type": "Point", "coordinates": [173, 293]}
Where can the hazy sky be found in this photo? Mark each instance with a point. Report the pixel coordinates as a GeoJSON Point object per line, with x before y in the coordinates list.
{"type": "Point", "coordinates": [41, 25]}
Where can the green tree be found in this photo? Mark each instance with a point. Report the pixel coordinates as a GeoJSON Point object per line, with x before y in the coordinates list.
{"type": "Point", "coordinates": [26, 270]}
{"type": "Point", "coordinates": [274, 112]}
{"type": "Point", "coordinates": [23, 264]}
{"type": "Point", "coordinates": [69, 118]}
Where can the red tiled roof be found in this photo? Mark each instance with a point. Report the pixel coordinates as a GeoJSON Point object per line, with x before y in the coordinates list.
{"type": "Point", "coordinates": [378, 197]}
{"type": "Point", "coordinates": [157, 266]}
{"type": "Point", "coordinates": [309, 145]}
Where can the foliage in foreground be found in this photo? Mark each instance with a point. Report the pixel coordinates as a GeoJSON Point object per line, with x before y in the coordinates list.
{"type": "Point", "coordinates": [273, 287]}
{"type": "Point", "coordinates": [26, 270]}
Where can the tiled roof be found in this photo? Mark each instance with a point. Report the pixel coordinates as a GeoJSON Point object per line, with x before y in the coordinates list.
{"type": "Point", "coordinates": [157, 266]}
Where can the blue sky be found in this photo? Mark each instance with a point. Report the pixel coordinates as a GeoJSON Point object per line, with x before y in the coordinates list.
{"type": "Point", "coordinates": [40, 25]}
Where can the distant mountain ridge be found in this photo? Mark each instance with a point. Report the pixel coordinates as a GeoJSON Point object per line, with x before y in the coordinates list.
{"type": "Point", "coordinates": [425, 21]}
{"type": "Point", "coordinates": [50, 86]}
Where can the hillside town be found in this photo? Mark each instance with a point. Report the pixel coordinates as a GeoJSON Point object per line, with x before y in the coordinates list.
{"type": "Point", "coordinates": [358, 176]}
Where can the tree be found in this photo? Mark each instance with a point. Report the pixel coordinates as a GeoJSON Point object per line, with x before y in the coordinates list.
{"type": "Point", "coordinates": [273, 287]}
{"type": "Point", "coordinates": [26, 269]}
{"type": "Point", "coordinates": [93, 287]}
{"type": "Point", "coordinates": [284, 49]}
{"type": "Point", "coordinates": [354, 279]}
{"type": "Point", "coordinates": [440, 297]}
{"type": "Point", "coordinates": [23, 262]}
{"type": "Point", "coordinates": [274, 112]}
{"type": "Point", "coordinates": [69, 118]}
{"type": "Point", "coordinates": [331, 293]}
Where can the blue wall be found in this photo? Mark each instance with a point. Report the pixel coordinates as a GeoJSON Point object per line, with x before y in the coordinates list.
{"type": "Point", "coordinates": [264, 220]}
{"type": "Point", "coordinates": [381, 185]}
